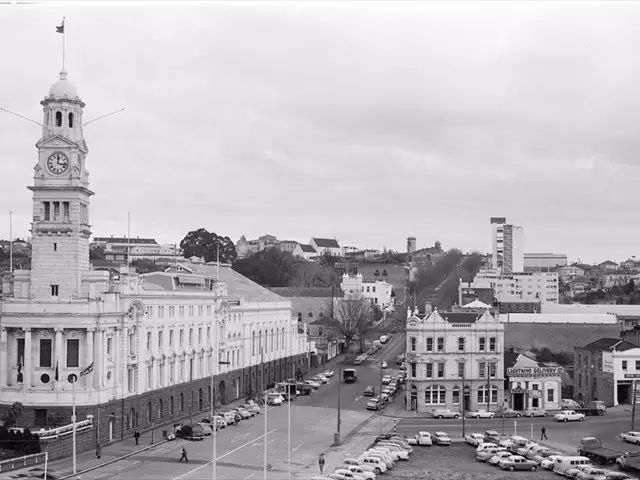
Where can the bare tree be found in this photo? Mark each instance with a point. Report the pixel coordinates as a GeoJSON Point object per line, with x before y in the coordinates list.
{"type": "Point", "coordinates": [352, 318]}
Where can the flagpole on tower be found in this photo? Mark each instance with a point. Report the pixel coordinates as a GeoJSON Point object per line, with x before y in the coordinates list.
{"type": "Point", "coordinates": [60, 29]}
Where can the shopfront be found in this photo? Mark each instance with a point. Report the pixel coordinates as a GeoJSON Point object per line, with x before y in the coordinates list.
{"type": "Point", "coordinates": [533, 385]}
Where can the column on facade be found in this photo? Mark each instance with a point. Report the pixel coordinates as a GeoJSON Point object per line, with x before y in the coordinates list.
{"type": "Point", "coordinates": [4, 365]}
{"type": "Point", "coordinates": [89, 357]}
{"type": "Point", "coordinates": [117, 373]}
{"type": "Point", "coordinates": [141, 364]}
{"type": "Point", "coordinates": [27, 357]}
{"type": "Point", "coordinates": [155, 350]}
{"type": "Point", "coordinates": [59, 349]}
{"type": "Point", "coordinates": [98, 379]}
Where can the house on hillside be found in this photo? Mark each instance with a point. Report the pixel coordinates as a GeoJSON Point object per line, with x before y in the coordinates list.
{"type": "Point", "coordinates": [608, 265]}
{"type": "Point", "coordinates": [304, 251]}
{"type": "Point", "coordinates": [569, 272]}
{"type": "Point", "coordinates": [326, 245]}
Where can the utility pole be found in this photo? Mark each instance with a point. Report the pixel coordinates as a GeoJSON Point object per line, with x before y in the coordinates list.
{"type": "Point", "coordinates": [339, 421]}
{"type": "Point", "coordinates": [633, 407]}
{"type": "Point", "coordinates": [488, 384]}
{"type": "Point", "coordinates": [464, 397]}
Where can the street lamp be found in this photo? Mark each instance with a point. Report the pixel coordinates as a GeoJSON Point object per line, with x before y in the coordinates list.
{"type": "Point", "coordinates": [213, 418]}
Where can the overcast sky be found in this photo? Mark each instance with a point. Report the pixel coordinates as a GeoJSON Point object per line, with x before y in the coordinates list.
{"type": "Point", "coordinates": [368, 122]}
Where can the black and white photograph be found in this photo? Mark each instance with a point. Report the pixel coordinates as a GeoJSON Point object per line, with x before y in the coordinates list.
{"type": "Point", "coordinates": [319, 240]}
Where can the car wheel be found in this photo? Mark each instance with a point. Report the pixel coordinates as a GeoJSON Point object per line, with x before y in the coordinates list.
{"type": "Point", "coordinates": [456, 416]}
{"type": "Point", "coordinates": [439, 417]}
{"type": "Point", "coordinates": [582, 419]}
{"type": "Point", "coordinates": [564, 419]}
{"type": "Point", "coordinates": [531, 415]}
{"type": "Point", "coordinates": [533, 468]}
{"type": "Point", "coordinates": [378, 471]}
{"type": "Point", "coordinates": [545, 414]}
{"type": "Point", "coordinates": [517, 415]}
{"type": "Point", "coordinates": [512, 468]}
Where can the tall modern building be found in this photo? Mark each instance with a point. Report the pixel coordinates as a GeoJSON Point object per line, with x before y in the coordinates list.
{"type": "Point", "coordinates": [144, 349]}
{"type": "Point", "coordinates": [508, 246]}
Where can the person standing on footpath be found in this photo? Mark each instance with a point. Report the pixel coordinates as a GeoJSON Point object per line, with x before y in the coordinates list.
{"type": "Point", "coordinates": [321, 462]}
{"type": "Point", "coordinates": [543, 433]}
{"type": "Point", "coordinates": [136, 435]}
{"type": "Point", "coordinates": [183, 455]}
{"type": "Point", "coordinates": [98, 450]}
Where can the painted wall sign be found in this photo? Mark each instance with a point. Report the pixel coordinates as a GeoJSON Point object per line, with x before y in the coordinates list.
{"type": "Point", "coordinates": [534, 371]}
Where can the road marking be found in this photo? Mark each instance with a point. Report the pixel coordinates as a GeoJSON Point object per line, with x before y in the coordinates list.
{"type": "Point", "coordinates": [184, 475]}
{"type": "Point", "coordinates": [247, 478]}
{"type": "Point", "coordinates": [296, 448]}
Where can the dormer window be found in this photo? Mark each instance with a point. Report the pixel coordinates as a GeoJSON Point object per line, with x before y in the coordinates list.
{"type": "Point", "coordinates": [58, 119]}
{"type": "Point", "coordinates": [70, 120]}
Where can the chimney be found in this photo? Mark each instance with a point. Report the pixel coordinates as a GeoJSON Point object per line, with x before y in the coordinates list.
{"type": "Point", "coordinates": [411, 244]}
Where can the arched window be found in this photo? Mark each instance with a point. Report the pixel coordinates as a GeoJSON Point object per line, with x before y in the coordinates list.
{"type": "Point", "coordinates": [271, 340]}
{"type": "Point", "coordinates": [58, 119]}
{"type": "Point", "coordinates": [260, 340]}
{"type": "Point", "coordinates": [70, 120]}
{"type": "Point", "coordinates": [284, 345]}
{"type": "Point", "coordinates": [253, 344]}
{"type": "Point", "coordinates": [483, 394]}
{"type": "Point", "coordinates": [456, 395]}
{"type": "Point", "coordinates": [277, 339]}
{"type": "Point", "coordinates": [434, 395]}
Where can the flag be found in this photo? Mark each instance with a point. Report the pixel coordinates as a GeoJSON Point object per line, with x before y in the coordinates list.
{"type": "Point", "coordinates": [60, 28]}
{"type": "Point", "coordinates": [87, 370]}
{"type": "Point", "coordinates": [56, 377]}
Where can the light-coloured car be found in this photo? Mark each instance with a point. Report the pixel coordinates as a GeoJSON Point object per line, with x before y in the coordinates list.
{"type": "Point", "coordinates": [444, 413]}
{"type": "Point", "coordinates": [328, 373]}
{"type": "Point", "coordinates": [569, 416]}
{"type": "Point", "coordinates": [535, 412]}
{"type": "Point", "coordinates": [420, 438]}
{"type": "Point", "coordinates": [484, 445]}
{"type": "Point", "coordinates": [274, 399]}
{"type": "Point", "coordinates": [320, 378]}
{"type": "Point", "coordinates": [591, 473]}
{"type": "Point", "coordinates": [541, 453]}
{"type": "Point", "coordinates": [499, 456]}
{"type": "Point", "coordinates": [337, 476]}
{"type": "Point", "coordinates": [523, 450]}
{"type": "Point", "coordinates": [393, 454]}
{"type": "Point", "coordinates": [348, 474]}
{"type": "Point", "coordinates": [313, 383]}
{"type": "Point", "coordinates": [487, 453]}
{"type": "Point", "coordinates": [474, 439]}
{"type": "Point", "coordinates": [358, 470]}
{"type": "Point", "coordinates": [481, 414]}
{"type": "Point", "coordinates": [388, 461]}
{"type": "Point", "coordinates": [386, 380]}
{"type": "Point", "coordinates": [395, 449]}
{"type": "Point", "coordinates": [401, 442]}
{"type": "Point", "coordinates": [441, 438]}
{"type": "Point", "coordinates": [354, 462]}
{"type": "Point", "coordinates": [379, 466]}
{"type": "Point", "coordinates": [383, 364]}
{"type": "Point", "coordinates": [631, 437]}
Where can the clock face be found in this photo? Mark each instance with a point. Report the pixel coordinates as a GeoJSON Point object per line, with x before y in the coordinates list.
{"type": "Point", "coordinates": [57, 163]}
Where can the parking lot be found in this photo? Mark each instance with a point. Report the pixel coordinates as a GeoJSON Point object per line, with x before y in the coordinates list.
{"type": "Point", "coordinates": [456, 462]}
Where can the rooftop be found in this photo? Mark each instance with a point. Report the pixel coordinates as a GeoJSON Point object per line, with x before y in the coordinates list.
{"type": "Point", "coordinates": [610, 344]}
{"type": "Point", "coordinates": [326, 242]}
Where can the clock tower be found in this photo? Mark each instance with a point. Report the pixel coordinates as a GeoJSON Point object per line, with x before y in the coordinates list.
{"type": "Point", "coordinates": [60, 228]}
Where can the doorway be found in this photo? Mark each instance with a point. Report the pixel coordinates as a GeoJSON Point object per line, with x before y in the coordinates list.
{"type": "Point", "coordinates": [518, 401]}
{"type": "Point", "coordinates": [624, 393]}
{"type": "Point", "coordinates": [111, 427]}
{"type": "Point", "coordinates": [467, 402]}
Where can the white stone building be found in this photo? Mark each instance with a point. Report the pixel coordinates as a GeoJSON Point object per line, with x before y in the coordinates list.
{"type": "Point", "coordinates": [532, 384]}
{"type": "Point", "coordinates": [539, 287]}
{"type": "Point", "coordinates": [455, 361]}
{"type": "Point", "coordinates": [379, 291]}
{"type": "Point", "coordinates": [153, 344]}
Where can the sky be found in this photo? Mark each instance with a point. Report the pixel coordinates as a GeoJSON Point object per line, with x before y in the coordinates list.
{"type": "Point", "coordinates": [366, 121]}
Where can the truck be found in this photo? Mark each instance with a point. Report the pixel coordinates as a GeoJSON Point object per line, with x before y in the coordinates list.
{"type": "Point", "coordinates": [592, 447]}
{"type": "Point", "coordinates": [595, 407]}
{"type": "Point", "coordinates": [629, 462]}
{"type": "Point", "coordinates": [349, 375]}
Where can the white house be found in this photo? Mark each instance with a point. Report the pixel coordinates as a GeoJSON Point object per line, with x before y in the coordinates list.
{"type": "Point", "coordinates": [379, 291]}
{"type": "Point", "coordinates": [570, 272]}
{"type": "Point", "coordinates": [304, 251]}
{"type": "Point", "coordinates": [326, 245]}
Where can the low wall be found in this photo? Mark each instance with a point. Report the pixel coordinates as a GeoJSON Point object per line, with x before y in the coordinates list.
{"type": "Point", "coordinates": [62, 445]}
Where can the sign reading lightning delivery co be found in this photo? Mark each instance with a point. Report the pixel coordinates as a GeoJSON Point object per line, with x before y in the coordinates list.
{"type": "Point", "coordinates": [534, 371]}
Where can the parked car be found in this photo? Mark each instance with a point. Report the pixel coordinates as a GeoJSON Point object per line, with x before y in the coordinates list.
{"type": "Point", "coordinates": [354, 462]}
{"type": "Point", "coordinates": [244, 413]}
{"type": "Point", "coordinates": [499, 456]}
{"type": "Point", "coordinates": [589, 472]}
{"type": "Point", "coordinates": [568, 416]}
{"type": "Point", "coordinates": [444, 413]}
{"type": "Point", "coordinates": [207, 427]}
{"type": "Point", "coordinates": [516, 462]}
{"type": "Point", "coordinates": [420, 438]}
{"type": "Point", "coordinates": [613, 475]}
{"type": "Point", "coordinates": [522, 451]}
{"type": "Point", "coordinates": [304, 388]}
{"type": "Point", "coordinates": [487, 453]}
{"type": "Point", "coordinates": [507, 413]}
{"type": "Point", "coordinates": [361, 472]}
{"type": "Point", "coordinates": [328, 373]}
{"type": "Point", "coordinates": [631, 437]}
{"type": "Point", "coordinates": [535, 412]}
{"type": "Point", "coordinates": [369, 391]}
{"type": "Point", "coordinates": [348, 474]}
{"type": "Point", "coordinates": [313, 383]}
{"type": "Point", "coordinates": [189, 432]}
{"type": "Point", "coordinates": [320, 378]}
{"type": "Point", "coordinates": [386, 380]}
{"type": "Point", "coordinates": [474, 438]}
{"type": "Point", "coordinates": [441, 438]}
{"type": "Point", "coordinates": [542, 453]}
{"type": "Point", "coordinates": [491, 436]}
{"type": "Point", "coordinates": [401, 453]}
{"type": "Point", "coordinates": [481, 414]}
{"type": "Point", "coordinates": [275, 398]}
{"type": "Point", "coordinates": [377, 463]}
{"type": "Point", "coordinates": [383, 364]}
{"type": "Point", "coordinates": [374, 404]}
{"type": "Point", "coordinates": [484, 445]}
{"type": "Point", "coordinates": [569, 403]}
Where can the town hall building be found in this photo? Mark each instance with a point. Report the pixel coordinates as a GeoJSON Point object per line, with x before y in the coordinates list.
{"type": "Point", "coordinates": [144, 349]}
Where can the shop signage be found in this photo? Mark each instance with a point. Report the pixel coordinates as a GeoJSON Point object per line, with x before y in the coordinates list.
{"type": "Point", "coordinates": [632, 375]}
{"type": "Point", "coordinates": [535, 393]}
{"type": "Point", "coordinates": [517, 390]}
{"type": "Point", "coordinates": [534, 371]}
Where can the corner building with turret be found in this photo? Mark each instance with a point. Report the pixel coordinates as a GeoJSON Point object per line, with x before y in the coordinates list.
{"type": "Point", "coordinates": [151, 348]}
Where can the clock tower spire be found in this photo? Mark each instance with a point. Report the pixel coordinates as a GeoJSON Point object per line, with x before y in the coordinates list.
{"type": "Point", "coordinates": [60, 228]}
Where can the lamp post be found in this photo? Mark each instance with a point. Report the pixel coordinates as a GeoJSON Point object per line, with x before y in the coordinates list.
{"type": "Point", "coordinates": [213, 418]}
{"type": "Point", "coordinates": [633, 407]}
{"type": "Point", "coordinates": [336, 440]}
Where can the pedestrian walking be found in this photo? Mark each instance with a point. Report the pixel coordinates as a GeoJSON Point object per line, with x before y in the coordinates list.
{"type": "Point", "coordinates": [183, 455]}
{"type": "Point", "coordinates": [98, 451]}
{"type": "Point", "coordinates": [321, 462]}
{"type": "Point", "coordinates": [136, 435]}
{"type": "Point", "coordinates": [543, 433]}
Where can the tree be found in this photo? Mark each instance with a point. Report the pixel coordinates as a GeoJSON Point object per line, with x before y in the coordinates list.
{"type": "Point", "coordinates": [96, 253]}
{"type": "Point", "coordinates": [204, 244]}
{"type": "Point", "coordinates": [145, 265]}
{"type": "Point", "coordinates": [15, 415]}
{"type": "Point", "coordinates": [352, 318]}
{"type": "Point", "coordinates": [629, 287]}
{"type": "Point", "coordinates": [270, 268]}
